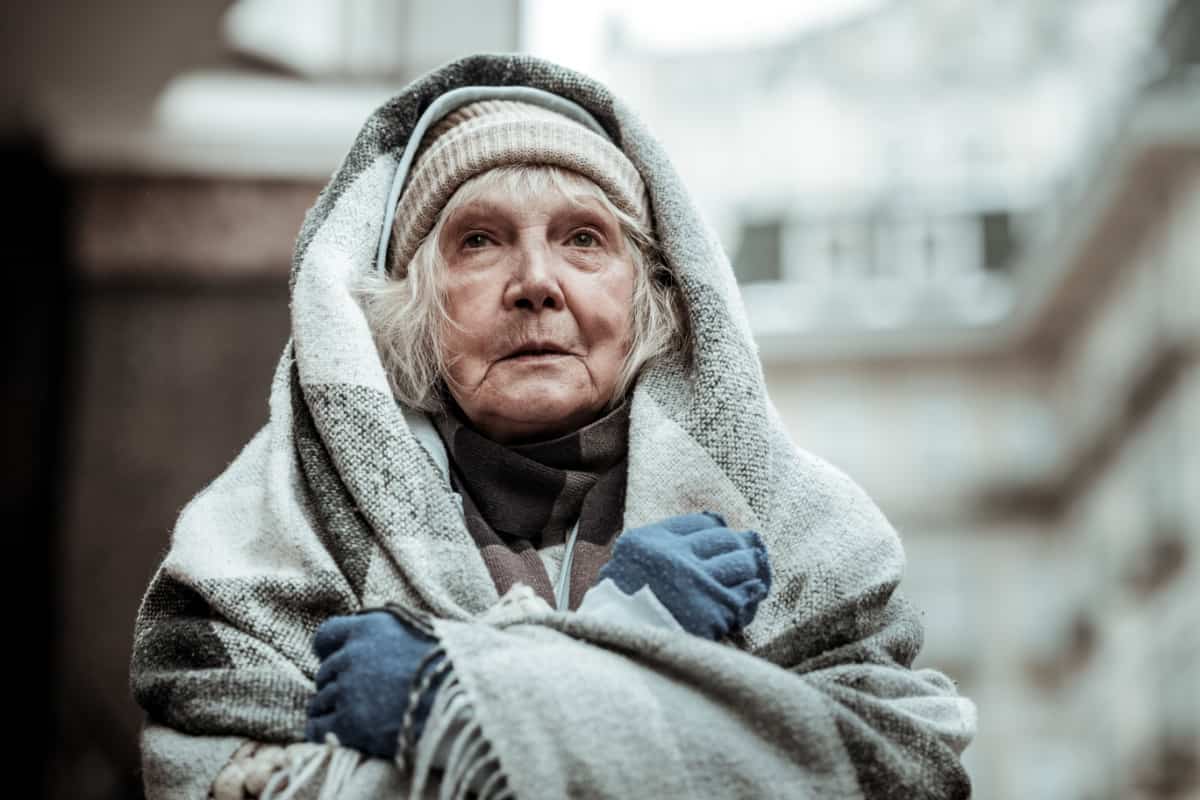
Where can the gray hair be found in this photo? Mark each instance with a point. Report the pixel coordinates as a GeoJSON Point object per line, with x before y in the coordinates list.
{"type": "Point", "coordinates": [406, 309]}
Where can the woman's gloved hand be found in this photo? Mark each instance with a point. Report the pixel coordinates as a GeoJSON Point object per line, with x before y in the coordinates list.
{"type": "Point", "coordinates": [368, 663]}
{"type": "Point", "coordinates": [709, 577]}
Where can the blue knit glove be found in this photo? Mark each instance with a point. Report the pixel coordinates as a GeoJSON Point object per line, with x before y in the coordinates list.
{"type": "Point", "coordinates": [368, 663]}
{"type": "Point", "coordinates": [710, 578]}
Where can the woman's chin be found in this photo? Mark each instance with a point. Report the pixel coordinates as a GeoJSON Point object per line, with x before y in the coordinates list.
{"type": "Point", "coordinates": [538, 416]}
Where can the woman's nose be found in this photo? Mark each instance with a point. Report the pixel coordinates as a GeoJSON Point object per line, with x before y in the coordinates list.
{"type": "Point", "coordinates": [533, 284]}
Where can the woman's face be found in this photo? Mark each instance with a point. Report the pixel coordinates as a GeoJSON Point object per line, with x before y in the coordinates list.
{"type": "Point", "coordinates": [539, 292]}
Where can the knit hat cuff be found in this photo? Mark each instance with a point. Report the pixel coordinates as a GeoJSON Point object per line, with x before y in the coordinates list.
{"type": "Point", "coordinates": [511, 134]}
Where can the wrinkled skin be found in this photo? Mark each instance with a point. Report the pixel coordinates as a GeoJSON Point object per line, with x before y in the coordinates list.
{"type": "Point", "coordinates": [539, 292]}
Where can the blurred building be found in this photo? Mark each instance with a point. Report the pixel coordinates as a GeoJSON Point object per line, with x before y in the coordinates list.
{"type": "Point", "coordinates": [880, 172]}
{"type": "Point", "coordinates": [966, 235]}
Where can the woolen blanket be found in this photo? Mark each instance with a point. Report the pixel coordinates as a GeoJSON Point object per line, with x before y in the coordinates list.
{"type": "Point", "coordinates": [334, 506]}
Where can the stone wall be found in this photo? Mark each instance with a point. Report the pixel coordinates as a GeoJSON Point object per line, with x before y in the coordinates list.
{"type": "Point", "coordinates": [182, 316]}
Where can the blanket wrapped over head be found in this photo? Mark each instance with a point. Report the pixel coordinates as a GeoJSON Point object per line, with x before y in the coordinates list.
{"type": "Point", "coordinates": [335, 506]}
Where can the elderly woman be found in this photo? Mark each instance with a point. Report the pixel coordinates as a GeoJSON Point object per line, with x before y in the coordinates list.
{"type": "Point", "coordinates": [523, 522]}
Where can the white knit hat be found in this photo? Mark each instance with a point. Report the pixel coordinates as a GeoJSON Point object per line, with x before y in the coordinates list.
{"type": "Point", "coordinates": [493, 133]}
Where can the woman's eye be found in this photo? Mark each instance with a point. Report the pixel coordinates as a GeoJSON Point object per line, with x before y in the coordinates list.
{"type": "Point", "coordinates": [583, 239]}
{"type": "Point", "coordinates": [475, 240]}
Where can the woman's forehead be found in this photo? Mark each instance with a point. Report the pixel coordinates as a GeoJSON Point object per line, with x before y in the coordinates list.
{"type": "Point", "coordinates": [505, 201]}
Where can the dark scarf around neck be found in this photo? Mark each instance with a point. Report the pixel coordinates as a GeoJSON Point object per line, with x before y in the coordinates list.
{"type": "Point", "coordinates": [519, 499]}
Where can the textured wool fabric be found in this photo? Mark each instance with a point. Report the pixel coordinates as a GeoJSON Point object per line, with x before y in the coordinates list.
{"type": "Point", "coordinates": [368, 664]}
{"type": "Point", "coordinates": [710, 578]}
{"type": "Point", "coordinates": [335, 506]}
{"type": "Point", "coordinates": [520, 500]}
{"type": "Point", "coordinates": [495, 133]}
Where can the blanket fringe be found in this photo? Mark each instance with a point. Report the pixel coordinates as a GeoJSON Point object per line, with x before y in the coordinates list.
{"type": "Point", "coordinates": [290, 781]}
{"type": "Point", "coordinates": [453, 739]}
{"type": "Point", "coordinates": [454, 731]}
{"type": "Point", "coordinates": [431, 668]}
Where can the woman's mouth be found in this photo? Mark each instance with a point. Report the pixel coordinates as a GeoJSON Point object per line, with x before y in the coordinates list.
{"type": "Point", "coordinates": [531, 356]}
{"type": "Point", "coordinates": [535, 352]}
